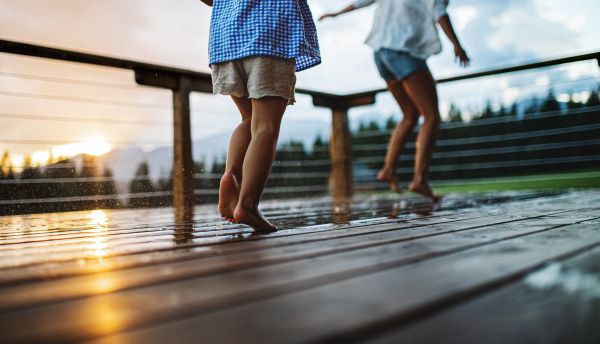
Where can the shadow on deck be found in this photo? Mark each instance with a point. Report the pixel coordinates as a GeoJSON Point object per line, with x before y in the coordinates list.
{"type": "Point", "coordinates": [508, 267]}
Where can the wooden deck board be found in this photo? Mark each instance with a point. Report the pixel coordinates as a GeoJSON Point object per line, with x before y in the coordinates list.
{"type": "Point", "coordinates": [361, 281]}
{"type": "Point", "coordinates": [342, 311]}
{"type": "Point", "coordinates": [563, 307]}
{"type": "Point", "coordinates": [220, 262]}
{"type": "Point", "coordinates": [141, 256]}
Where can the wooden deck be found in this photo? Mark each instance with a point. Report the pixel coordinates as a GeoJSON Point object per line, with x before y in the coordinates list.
{"type": "Point", "coordinates": [503, 268]}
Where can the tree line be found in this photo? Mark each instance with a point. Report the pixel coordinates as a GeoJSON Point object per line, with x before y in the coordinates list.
{"type": "Point", "coordinates": [497, 143]}
{"type": "Point", "coordinates": [300, 170]}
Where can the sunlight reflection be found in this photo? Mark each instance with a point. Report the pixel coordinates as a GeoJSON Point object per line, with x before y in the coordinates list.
{"type": "Point", "coordinates": [98, 223]}
{"type": "Point", "coordinates": [104, 285]}
{"type": "Point", "coordinates": [98, 219]}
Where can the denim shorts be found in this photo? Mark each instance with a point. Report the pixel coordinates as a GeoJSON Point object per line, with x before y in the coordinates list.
{"type": "Point", "coordinates": [397, 65]}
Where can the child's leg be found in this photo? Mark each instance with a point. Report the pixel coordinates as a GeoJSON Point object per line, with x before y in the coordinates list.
{"type": "Point", "coordinates": [399, 135]}
{"type": "Point", "coordinates": [240, 139]}
{"type": "Point", "coordinates": [267, 113]}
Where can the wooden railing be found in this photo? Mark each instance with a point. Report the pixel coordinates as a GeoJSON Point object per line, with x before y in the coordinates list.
{"type": "Point", "coordinates": [182, 82]}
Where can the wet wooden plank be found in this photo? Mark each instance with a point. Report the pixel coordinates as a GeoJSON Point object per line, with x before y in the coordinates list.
{"type": "Point", "coordinates": [154, 252]}
{"type": "Point", "coordinates": [137, 307]}
{"type": "Point", "coordinates": [350, 308]}
{"type": "Point", "coordinates": [64, 243]}
{"type": "Point", "coordinates": [560, 303]}
{"type": "Point", "coordinates": [222, 260]}
{"type": "Point", "coordinates": [229, 276]}
{"type": "Point", "coordinates": [66, 261]}
{"type": "Point", "coordinates": [213, 262]}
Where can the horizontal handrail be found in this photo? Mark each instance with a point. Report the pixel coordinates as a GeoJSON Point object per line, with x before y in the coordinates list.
{"type": "Point", "coordinates": [33, 50]}
{"type": "Point", "coordinates": [182, 81]}
{"type": "Point", "coordinates": [27, 49]}
{"type": "Point", "coordinates": [535, 65]}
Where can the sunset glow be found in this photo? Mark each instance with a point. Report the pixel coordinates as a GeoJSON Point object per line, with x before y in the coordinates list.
{"type": "Point", "coordinates": [94, 146]}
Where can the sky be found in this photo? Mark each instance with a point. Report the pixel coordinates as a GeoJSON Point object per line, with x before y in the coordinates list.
{"type": "Point", "coordinates": [82, 100]}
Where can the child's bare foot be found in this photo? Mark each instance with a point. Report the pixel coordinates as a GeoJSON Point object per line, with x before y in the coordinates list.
{"type": "Point", "coordinates": [229, 193]}
{"type": "Point", "coordinates": [425, 190]}
{"type": "Point", "coordinates": [391, 179]}
{"type": "Point", "coordinates": [254, 219]}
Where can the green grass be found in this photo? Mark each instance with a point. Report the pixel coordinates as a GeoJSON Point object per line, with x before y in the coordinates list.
{"type": "Point", "coordinates": [582, 179]}
{"type": "Point", "coordinates": [555, 181]}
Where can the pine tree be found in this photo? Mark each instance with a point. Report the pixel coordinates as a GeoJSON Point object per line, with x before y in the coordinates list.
{"type": "Point", "coordinates": [373, 126]}
{"type": "Point", "coordinates": [550, 104]}
{"type": "Point", "coordinates": [89, 170]}
{"type": "Point", "coordinates": [454, 114]}
{"type": "Point", "coordinates": [487, 113]}
{"type": "Point", "coordinates": [4, 166]}
{"type": "Point", "coordinates": [108, 187]}
{"type": "Point", "coordinates": [502, 112]}
{"type": "Point", "coordinates": [533, 107]}
{"type": "Point", "coordinates": [7, 191]}
{"type": "Point", "coordinates": [571, 104]}
{"type": "Point", "coordinates": [513, 110]}
{"type": "Point", "coordinates": [594, 99]}
{"type": "Point", "coordinates": [141, 184]}
{"type": "Point", "coordinates": [30, 190]}
{"type": "Point", "coordinates": [391, 123]}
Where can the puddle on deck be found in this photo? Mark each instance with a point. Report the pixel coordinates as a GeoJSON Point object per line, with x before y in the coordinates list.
{"type": "Point", "coordinates": [93, 235]}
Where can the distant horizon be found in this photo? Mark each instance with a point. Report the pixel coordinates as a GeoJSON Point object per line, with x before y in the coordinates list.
{"type": "Point", "coordinates": [367, 118]}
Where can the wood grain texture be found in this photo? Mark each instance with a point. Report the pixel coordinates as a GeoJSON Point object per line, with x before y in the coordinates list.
{"type": "Point", "coordinates": [384, 280]}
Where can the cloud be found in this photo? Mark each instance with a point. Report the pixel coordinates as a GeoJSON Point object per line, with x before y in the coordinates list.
{"type": "Point", "coordinates": [462, 16]}
{"type": "Point", "coordinates": [529, 35]}
{"type": "Point", "coordinates": [494, 32]}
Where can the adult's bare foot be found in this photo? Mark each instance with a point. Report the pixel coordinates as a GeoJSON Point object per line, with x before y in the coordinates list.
{"type": "Point", "coordinates": [229, 193]}
{"type": "Point", "coordinates": [425, 190]}
{"type": "Point", "coordinates": [391, 179]}
{"type": "Point", "coordinates": [254, 219]}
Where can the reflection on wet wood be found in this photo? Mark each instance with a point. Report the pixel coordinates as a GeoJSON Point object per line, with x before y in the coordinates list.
{"type": "Point", "coordinates": [382, 270]}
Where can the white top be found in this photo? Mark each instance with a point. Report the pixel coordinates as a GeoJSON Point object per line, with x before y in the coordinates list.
{"type": "Point", "coordinates": [406, 25]}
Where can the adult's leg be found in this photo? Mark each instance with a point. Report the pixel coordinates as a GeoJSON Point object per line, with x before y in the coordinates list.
{"type": "Point", "coordinates": [399, 136]}
{"type": "Point", "coordinates": [267, 113]}
{"type": "Point", "coordinates": [238, 144]}
{"type": "Point", "coordinates": [421, 88]}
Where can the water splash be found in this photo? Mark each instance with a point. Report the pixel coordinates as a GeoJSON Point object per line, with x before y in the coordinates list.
{"type": "Point", "coordinates": [568, 279]}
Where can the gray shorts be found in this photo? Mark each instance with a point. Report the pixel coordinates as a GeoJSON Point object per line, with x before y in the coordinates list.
{"type": "Point", "coordinates": [256, 77]}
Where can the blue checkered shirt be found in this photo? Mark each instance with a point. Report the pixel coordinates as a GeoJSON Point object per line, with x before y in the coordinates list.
{"type": "Point", "coordinates": [281, 28]}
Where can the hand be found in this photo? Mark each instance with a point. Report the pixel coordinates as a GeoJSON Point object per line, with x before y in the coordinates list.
{"type": "Point", "coordinates": [461, 56]}
{"type": "Point", "coordinates": [328, 15]}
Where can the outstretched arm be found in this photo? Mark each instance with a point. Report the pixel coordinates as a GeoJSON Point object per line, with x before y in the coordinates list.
{"type": "Point", "coordinates": [459, 52]}
{"type": "Point", "coordinates": [356, 5]}
{"type": "Point", "coordinates": [332, 15]}
{"type": "Point", "coordinates": [208, 2]}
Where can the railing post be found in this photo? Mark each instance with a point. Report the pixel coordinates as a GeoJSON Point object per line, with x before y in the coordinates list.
{"type": "Point", "coordinates": [340, 148]}
{"type": "Point", "coordinates": [340, 143]}
{"type": "Point", "coordinates": [183, 165]}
